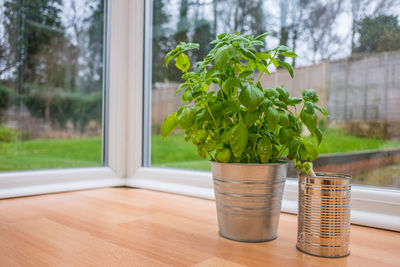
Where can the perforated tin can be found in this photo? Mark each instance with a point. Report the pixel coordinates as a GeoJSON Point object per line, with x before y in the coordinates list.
{"type": "Point", "coordinates": [324, 215]}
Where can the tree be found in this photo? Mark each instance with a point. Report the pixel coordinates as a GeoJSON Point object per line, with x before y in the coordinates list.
{"type": "Point", "coordinates": [319, 27]}
{"type": "Point", "coordinates": [284, 29]}
{"type": "Point", "coordinates": [378, 34]}
{"type": "Point", "coordinates": [361, 9]}
{"type": "Point", "coordinates": [203, 33]}
{"type": "Point", "coordinates": [295, 29]}
{"type": "Point", "coordinates": [161, 42]}
{"type": "Point", "coordinates": [257, 24]}
{"type": "Point", "coordinates": [95, 47]}
{"type": "Point", "coordinates": [215, 17]}
{"type": "Point", "coordinates": [30, 25]}
{"type": "Point", "coordinates": [244, 16]}
{"type": "Point", "coordinates": [183, 23]}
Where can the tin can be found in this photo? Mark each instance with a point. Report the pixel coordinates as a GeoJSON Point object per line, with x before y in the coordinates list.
{"type": "Point", "coordinates": [324, 215]}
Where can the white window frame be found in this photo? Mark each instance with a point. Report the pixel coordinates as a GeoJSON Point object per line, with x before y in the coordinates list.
{"type": "Point", "coordinates": [128, 134]}
{"type": "Point", "coordinates": [116, 114]}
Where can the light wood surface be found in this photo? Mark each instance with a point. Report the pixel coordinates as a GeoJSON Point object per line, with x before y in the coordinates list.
{"type": "Point", "coordinates": [132, 227]}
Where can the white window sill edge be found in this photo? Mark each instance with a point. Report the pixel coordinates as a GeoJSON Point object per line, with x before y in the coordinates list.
{"type": "Point", "coordinates": [17, 184]}
{"type": "Point", "coordinates": [373, 207]}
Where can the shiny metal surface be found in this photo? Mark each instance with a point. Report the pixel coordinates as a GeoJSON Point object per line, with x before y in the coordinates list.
{"type": "Point", "coordinates": [323, 227]}
{"type": "Point", "coordinates": [248, 199]}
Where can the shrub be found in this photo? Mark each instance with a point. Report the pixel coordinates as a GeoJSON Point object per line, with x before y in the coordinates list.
{"type": "Point", "coordinates": [78, 107]}
{"type": "Point", "coordinates": [6, 95]}
{"type": "Point", "coordinates": [8, 135]}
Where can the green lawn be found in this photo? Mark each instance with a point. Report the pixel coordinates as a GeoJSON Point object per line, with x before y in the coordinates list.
{"type": "Point", "coordinates": [172, 152]}
{"type": "Point", "coordinates": [47, 154]}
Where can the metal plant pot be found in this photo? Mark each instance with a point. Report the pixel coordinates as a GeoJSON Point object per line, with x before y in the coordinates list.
{"type": "Point", "coordinates": [324, 215]}
{"type": "Point", "coordinates": [248, 199]}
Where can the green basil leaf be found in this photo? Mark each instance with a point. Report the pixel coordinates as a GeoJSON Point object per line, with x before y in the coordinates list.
{"type": "Point", "coordinates": [289, 54]}
{"type": "Point", "coordinates": [318, 134]}
{"type": "Point", "coordinates": [245, 73]}
{"type": "Point", "coordinates": [247, 53]}
{"type": "Point", "coordinates": [309, 108]}
{"type": "Point", "coordinates": [293, 101]}
{"type": "Point", "coordinates": [285, 135]}
{"type": "Point", "coordinates": [293, 146]}
{"type": "Point", "coordinates": [170, 55]}
{"type": "Point", "coordinates": [264, 55]}
{"type": "Point", "coordinates": [310, 95]}
{"type": "Point", "coordinates": [262, 68]}
{"type": "Point", "coordinates": [271, 93]}
{"type": "Point", "coordinates": [265, 104]}
{"type": "Point", "coordinates": [181, 87]}
{"type": "Point", "coordinates": [264, 149]}
{"type": "Point", "coordinates": [250, 97]}
{"type": "Point", "coordinates": [280, 104]}
{"type": "Point", "coordinates": [294, 123]}
{"type": "Point", "coordinates": [283, 119]}
{"type": "Point", "coordinates": [201, 152]}
{"type": "Point", "coordinates": [322, 110]}
{"type": "Point", "coordinates": [240, 39]}
{"type": "Point", "coordinates": [224, 54]}
{"type": "Point", "coordinates": [188, 46]}
{"type": "Point", "coordinates": [257, 43]}
{"type": "Point", "coordinates": [222, 35]}
{"type": "Point", "coordinates": [283, 94]}
{"type": "Point", "coordinates": [169, 124]}
{"type": "Point", "coordinates": [275, 62]}
{"type": "Point", "coordinates": [214, 42]}
{"type": "Point", "coordinates": [186, 118]}
{"type": "Point", "coordinates": [229, 85]}
{"type": "Point", "coordinates": [229, 108]}
{"type": "Point", "coordinates": [225, 137]}
{"type": "Point", "coordinates": [307, 151]}
{"type": "Point", "coordinates": [199, 137]}
{"type": "Point", "coordinates": [309, 120]}
{"type": "Point", "coordinates": [187, 95]}
{"type": "Point", "coordinates": [239, 139]}
{"type": "Point", "coordinates": [287, 66]}
{"type": "Point", "coordinates": [262, 36]}
{"type": "Point", "coordinates": [282, 48]}
{"type": "Point", "coordinates": [250, 117]}
{"type": "Point", "coordinates": [223, 155]}
{"type": "Point", "coordinates": [272, 118]}
{"type": "Point", "coordinates": [182, 62]}
{"type": "Point", "coordinates": [216, 109]}
{"type": "Point", "coordinates": [210, 145]}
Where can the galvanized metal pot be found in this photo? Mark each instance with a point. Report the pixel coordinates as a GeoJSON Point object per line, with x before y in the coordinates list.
{"type": "Point", "coordinates": [248, 199]}
{"type": "Point", "coordinates": [324, 215]}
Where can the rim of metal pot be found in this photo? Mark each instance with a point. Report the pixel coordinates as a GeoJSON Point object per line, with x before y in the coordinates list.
{"type": "Point", "coordinates": [328, 175]}
{"type": "Point", "coordinates": [282, 162]}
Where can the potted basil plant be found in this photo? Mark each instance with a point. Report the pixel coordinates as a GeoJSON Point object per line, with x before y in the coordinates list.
{"type": "Point", "coordinates": [244, 129]}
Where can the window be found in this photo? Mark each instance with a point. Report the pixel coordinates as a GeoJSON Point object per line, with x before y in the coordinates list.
{"type": "Point", "coordinates": [51, 84]}
{"type": "Point", "coordinates": [348, 51]}
{"type": "Point", "coordinates": [127, 125]}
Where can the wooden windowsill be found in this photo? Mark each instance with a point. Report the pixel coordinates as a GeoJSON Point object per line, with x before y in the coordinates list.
{"type": "Point", "coordinates": [133, 227]}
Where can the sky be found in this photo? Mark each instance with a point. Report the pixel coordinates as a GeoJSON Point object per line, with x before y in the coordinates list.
{"type": "Point", "coordinates": [342, 26]}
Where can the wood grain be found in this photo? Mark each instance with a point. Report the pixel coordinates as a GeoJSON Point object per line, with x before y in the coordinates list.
{"type": "Point", "coordinates": [133, 227]}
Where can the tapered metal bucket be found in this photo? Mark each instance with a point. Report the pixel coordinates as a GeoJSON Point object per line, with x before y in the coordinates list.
{"type": "Point", "coordinates": [248, 199]}
{"type": "Point", "coordinates": [324, 215]}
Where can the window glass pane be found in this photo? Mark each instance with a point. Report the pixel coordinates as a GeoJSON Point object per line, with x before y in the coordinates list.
{"type": "Point", "coordinates": [51, 80]}
{"type": "Point", "coordinates": [349, 52]}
